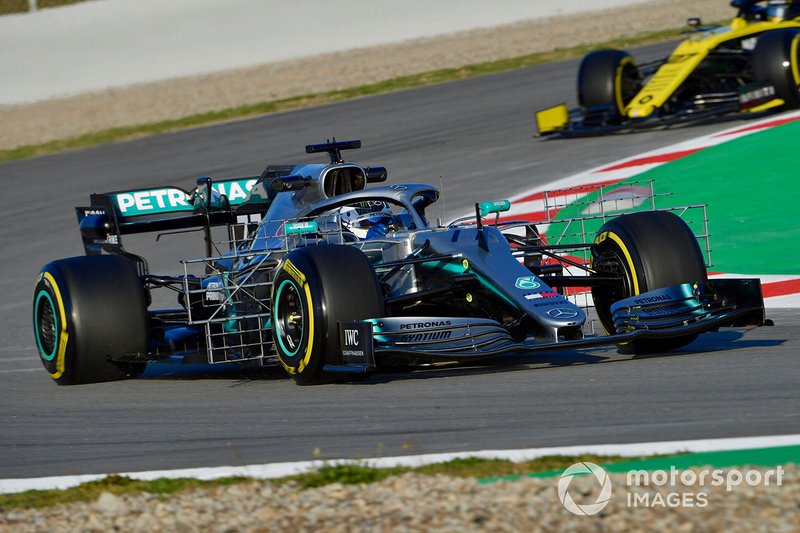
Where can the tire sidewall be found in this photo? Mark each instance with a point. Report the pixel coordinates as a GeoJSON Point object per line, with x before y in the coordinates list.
{"type": "Point", "coordinates": [606, 245]}
{"type": "Point", "coordinates": [296, 273]}
{"type": "Point", "coordinates": [58, 360]}
{"type": "Point", "coordinates": [100, 311]}
{"type": "Point", "coordinates": [337, 283]}
{"type": "Point", "coordinates": [775, 61]}
{"type": "Point", "coordinates": [599, 79]}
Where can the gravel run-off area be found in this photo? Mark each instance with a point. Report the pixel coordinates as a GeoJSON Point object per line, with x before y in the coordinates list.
{"type": "Point", "coordinates": [141, 104]}
{"type": "Point", "coordinates": [431, 504]}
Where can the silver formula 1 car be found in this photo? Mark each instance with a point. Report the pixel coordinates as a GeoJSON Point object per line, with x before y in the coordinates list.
{"type": "Point", "coordinates": [333, 279]}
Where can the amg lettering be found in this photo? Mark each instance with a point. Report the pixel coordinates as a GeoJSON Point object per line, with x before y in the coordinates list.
{"type": "Point", "coordinates": [425, 325]}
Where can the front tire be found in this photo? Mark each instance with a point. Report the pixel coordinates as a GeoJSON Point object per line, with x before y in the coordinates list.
{"type": "Point", "coordinates": [608, 78]}
{"type": "Point", "coordinates": [87, 311]}
{"type": "Point", "coordinates": [775, 62]}
{"type": "Point", "coordinates": [648, 250]}
{"type": "Point", "coordinates": [316, 288]}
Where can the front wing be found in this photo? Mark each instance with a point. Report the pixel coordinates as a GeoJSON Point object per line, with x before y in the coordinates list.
{"type": "Point", "coordinates": [675, 311]}
{"type": "Point", "coordinates": [600, 121]}
{"type": "Point", "coordinates": [561, 122]}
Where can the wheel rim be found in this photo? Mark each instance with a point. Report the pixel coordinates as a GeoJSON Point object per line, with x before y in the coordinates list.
{"type": "Point", "coordinates": [289, 320]}
{"type": "Point", "coordinates": [795, 69]}
{"type": "Point", "coordinates": [610, 263]}
{"type": "Point", "coordinates": [46, 326]}
{"type": "Point", "coordinates": [627, 83]}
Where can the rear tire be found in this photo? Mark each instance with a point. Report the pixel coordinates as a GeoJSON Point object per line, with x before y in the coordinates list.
{"type": "Point", "coordinates": [610, 78]}
{"type": "Point", "coordinates": [775, 62]}
{"type": "Point", "coordinates": [315, 289]}
{"type": "Point", "coordinates": [649, 250]}
{"type": "Point", "coordinates": [86, 311]}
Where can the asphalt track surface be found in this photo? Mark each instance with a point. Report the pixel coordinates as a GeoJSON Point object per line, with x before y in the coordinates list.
{"type": "Point", "coordinates": [477, 136]}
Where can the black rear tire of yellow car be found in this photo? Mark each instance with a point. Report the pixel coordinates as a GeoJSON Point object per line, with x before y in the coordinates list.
{"type": "Point", "coordinates": [608, 78]}
{"type": "Point", "coordinates": [314, 289]}
{"type": "Point", "coordinates": [775, 62]}
{"type": "Point", "coordinates": [87, 311]}
{"type": "Point", "coordinates": [649, 250]}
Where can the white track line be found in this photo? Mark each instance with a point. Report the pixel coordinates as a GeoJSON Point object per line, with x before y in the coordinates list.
{"type": "Point", "coordinates": [277, 470]}
{"type": "Point", "coordinates": [18, 370]}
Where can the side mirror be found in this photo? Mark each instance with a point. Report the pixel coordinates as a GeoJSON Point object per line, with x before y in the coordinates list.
{"type": "Point", "coordinates": [497, 206]}
{"type": "Point", "coordinates": [376, 174]}
{"type": "Point", "coordinates": [289, 183]}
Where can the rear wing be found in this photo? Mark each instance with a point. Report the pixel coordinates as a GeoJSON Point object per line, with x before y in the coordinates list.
{"type": "Point", "coordinates": [167, 208]}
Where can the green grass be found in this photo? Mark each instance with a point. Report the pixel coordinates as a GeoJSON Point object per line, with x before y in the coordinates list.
{"type": "Point", "coordinates": [37, 499]}
{"type": "Point", "coordinates": [349, 474]}
{"type": "Point", "coordinates": [21, 6]}
{"type": "Point", "coordinates": [309, 100]}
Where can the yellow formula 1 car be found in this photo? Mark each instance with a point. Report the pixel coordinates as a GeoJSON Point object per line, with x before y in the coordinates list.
{"type": "Point", "coordinates": [750, 66]}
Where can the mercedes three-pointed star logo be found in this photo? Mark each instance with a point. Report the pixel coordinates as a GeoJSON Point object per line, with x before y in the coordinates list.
{"type": "Point", "coordinates": [562, 313]}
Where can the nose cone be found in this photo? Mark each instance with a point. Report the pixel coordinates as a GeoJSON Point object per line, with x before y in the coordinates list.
{"type": "Point", "coordinates": [641, 111]}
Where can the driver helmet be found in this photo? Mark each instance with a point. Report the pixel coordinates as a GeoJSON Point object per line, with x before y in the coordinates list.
{"type": "Point", "coordinates": [360, 218]}
{"type": "Point", "coordinates": [777, 10]}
